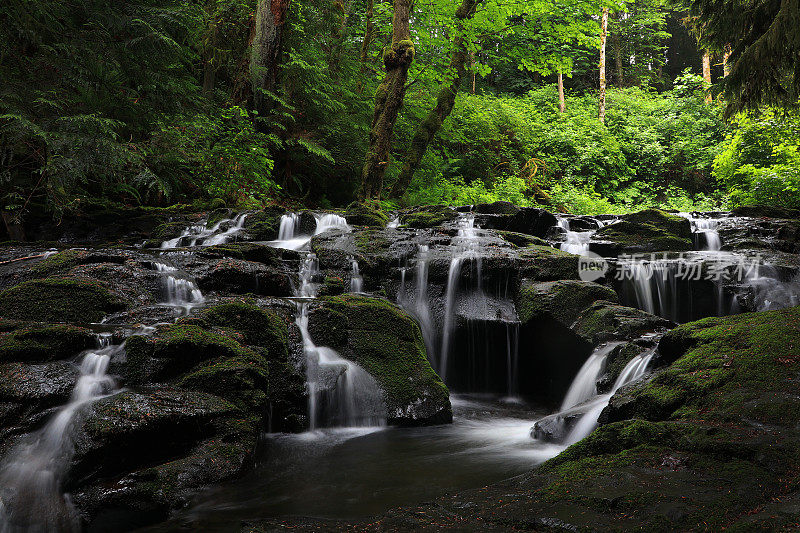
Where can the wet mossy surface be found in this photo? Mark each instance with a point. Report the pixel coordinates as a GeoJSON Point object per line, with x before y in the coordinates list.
{"type": "Point", "coordinates": [59, 300]}
{"type": "Point", "coordinates": [366, 215]}
{"type": "Point", "coordinates": [651, 230]}
{"type": "Point", "coordinates": [605, 320]}
{"type": "Point", "coordinates": [562, 300]}
{"type": "Point", "coordinates": [545, 263]}
{"type": "Point", "coordinates": [34, 342]}
{"type": "Point", "coordinates": [428, 216]}
{"type": "Point", "coordinates": [388, 344]}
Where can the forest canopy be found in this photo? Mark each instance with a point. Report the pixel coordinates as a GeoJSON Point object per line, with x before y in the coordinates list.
{"type": "Point", "coordinates": [591, 106]}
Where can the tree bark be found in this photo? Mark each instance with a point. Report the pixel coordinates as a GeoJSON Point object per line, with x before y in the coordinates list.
{"type": "Point", "coordinates": [615, 38]}
{"type": "Point", "coordinates": [601, 105]}
{"type": "Point", "coordinates": [707, 71]}
{"type": "Point", "coordinates": [445, 101]}
{"type": "Point", "coordinates": [266, 48]}
{"type": "Point", "coordinates": [369, 35]}
{"type": "Point", "coordinates": [397, 59]}
{"type": "Point", "coordinates": [13, 226]}
{"type": "Point", "coordinates": [562, 106]}
{"type": "Point", "coordinates": [726, 60]}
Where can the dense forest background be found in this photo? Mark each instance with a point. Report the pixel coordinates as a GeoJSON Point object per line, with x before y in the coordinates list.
{"type": "Point", "coordinates": [320, 102]}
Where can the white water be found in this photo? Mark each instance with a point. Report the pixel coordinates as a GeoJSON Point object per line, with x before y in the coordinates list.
{"type": "Point", "coordinates": [181, 292]}
{"type": "Point", "coordinates": [393, 223]}
{"type": "Point", "coordinates": [288, 233]}
{"type": "Point", "coordinates": [576, 242]}
{"type": "Point", "coordinates": [340, 392]}
{"type": "Point", "coordinates": [706, 228]}
{"type": "Point", "coordinates": [201, 235]}
{"type": "Point", "coordinates": [584, 386]}
{"type": "Point", "coordinates": [466, 249]}
{"type": "Point", "coordinates": [31, 476]}
{"type": "Point", "coordinates": [356, 280]}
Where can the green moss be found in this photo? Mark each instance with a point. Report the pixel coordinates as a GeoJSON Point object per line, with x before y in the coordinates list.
{"type": "Point", "coordinates": [58, 263]}
{"type": "Point", "coordinates": [606, 319]}
{"type": "Point", "coordinates": [264, 225]}
{"type": "Point", "coordinates": [674, 224]}
{"type": "Point", "coordinates": [562, 300]}
{"type": "Point", "coordinates": [545, 263]}
{"type": "Point", "coordinates": [243, 381]}
{"type": "Point", "coordinates": [429, 216]}
{"type": "Point", "coordinates": [360, 214]}
{"type": "Point", "coordinates": [59, 300]}
{"type": "Point", "coordinates": [37, 342]}
{"type": "Point", "coordinates": [521, 240]}
{"type": "Point", "coordinates": [651, 230]}
{"type": "Point", "coordinates": [332, 286]}
{"type": "Point", "coordinates": [257, 326]}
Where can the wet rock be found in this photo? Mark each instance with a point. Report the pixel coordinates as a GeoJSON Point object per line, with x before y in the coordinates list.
{"type": "Point", "coordinates": [427, 216]}
{"type": "Point", "coordinates": [780, 235]}
{"type": "Point", "coordinates": [606, 320]}
{"type": "Point", "coordinates": [651, 230]}
{"type": "Point", "coordinates": [562, 300]}
{"type": "Point", "coordinates": [264, 225]}
{"type": "Point", "coordinates": [545, 263]}
{"type": "Point", "coordinates": [33, 342]}
{"type": "Point", "coordinates": [496, 208]}
{"type": "Point", "coordinates": [387, 343]}
{"type": "Point", "coordinates": [555, 428]}
{"type": "Point", "coordinates": [766, 211]}
{"type": "Point", "coordinates": [532, 221]}
{"type": "Point", "coordinates": [34, 388]}
{"type": "Point", "coordinates": [359, 214]}
{"type": "Point", "coordinates": [522, 240]}
{"type": "Point", "coordinates": [60, 300]}
{"type": "Point", "coordinates": [236, 276]}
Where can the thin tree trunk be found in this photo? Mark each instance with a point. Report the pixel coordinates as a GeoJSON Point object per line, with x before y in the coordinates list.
{"type": "Point", "coordinates": [472, 66]}
{"type": "Point", "coordinates": [601, 106]}
{"type": "Point", "coordinates": [562, 106]}
{"type": "Point", "coordinates": [707, 71]}
{"type": "Point", "coordinates": [615, 38]}
{"type": "Point", "coordinates": [726, 60]}
{"type": "Point", "coordinates": [369, 35]}
{"type": "Point", "coordinates": [266, 48]}
{"type": "Point", "coordinates": [397, 59]}
{"type": "Point", "coordinates": [13, 226]}
{"type": "Point", "coordinates": [445, 101]}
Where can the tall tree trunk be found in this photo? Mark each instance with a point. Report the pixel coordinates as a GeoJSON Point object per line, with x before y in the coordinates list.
{"type": "Point", "coordinates": [397, 58]}
{"type": "Point", "coordinates": [562, 106]}
{"type": "Point", "coordinates": [266, 48]}
{"type": "Point", "coordinates": [445, 101]}
{"type": "Point", "coordinates": [472, 67]}
{"type": "Point", "coordinates": [13, 226]}
{"type": "Point", "coordinates": [601, 104]}
{"type": "Point", "coordinates": [369, 35]}
{"type": "Point", "coordinates": [615, 38]}
{"type": "Point", "coordinates": [707, 71]}
{"type": "Point", "coordinates": [726, 60]}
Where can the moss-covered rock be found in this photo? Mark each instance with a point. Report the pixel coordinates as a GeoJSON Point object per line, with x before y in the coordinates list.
{"type": "Point", "coordinates": [264, 225]}
{"type": "Point", "coordinates": [428, 216]}
{"type": "Point", "coordinates": [32, 342]}
{"type": "Point", "coordinates": [360, 214]}
{"type": "Point", "coordinates": [545, 263]}
{"type": "Point", "coordinates": [562, 300]}
{"type": "Point", "coordinates": [59, 300]}
{"type": "Point", "coordinates": [247, 251]}
{"type": "Point", "coordinates": [605, 320]}
{"type": "Point", "coordinates": [766, 211]}
{"type": "Point", "coordinates": [651, 230]}
{"type": "Point", "coordinates": [522, 240]}
{"type": "Point", "coordinates": [388, 344]}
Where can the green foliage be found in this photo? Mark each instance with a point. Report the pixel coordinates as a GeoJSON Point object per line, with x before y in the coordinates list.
{"type": "Point", "coordinates": [760, 161]}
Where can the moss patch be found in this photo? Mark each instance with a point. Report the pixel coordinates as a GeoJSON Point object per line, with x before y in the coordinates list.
{"type": "Point", "coordinates": [545, 263]}
{"type": "Point", "coordinates": [59, 300]}
{"type": "Point", "coordinates": [562, 300]}
{"type": "Point", "coordinates": [27, 342]}
{"type": "Point", "coordinates": [365, 215]}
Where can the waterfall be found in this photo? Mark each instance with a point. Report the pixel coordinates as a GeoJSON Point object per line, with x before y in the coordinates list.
{"type": "Point", "coordinates": [584, 386]}
{"type": "Point", "coordinates": [466, 248]}
{"type": "Point", "coordinates": [340, 392]}
{"type": "Point", "coordinates": [576, 242]}
{"type": "Point", "coordinates": [633, 371]}
{"type": "Point", "coordinates": [356, 280]}
{"type": "Point", "coordinates": [706, 228]}
{"type": "Point", "coordinates": [421, 308]}
{"type": "Point", "coordinates": [393, 223]}
{"type": "Point", "coordinates": [288, 231]}
{"type": "Point", "coordinates": [31, 476]}
{"type": "Point", "coordinates": [181, 292]}
{"type": "Point", "coordinates": [512, 359]}
{"type": "Point", "coordinates": [201, 235]}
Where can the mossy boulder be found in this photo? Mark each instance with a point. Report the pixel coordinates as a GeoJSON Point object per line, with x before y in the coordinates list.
{"type": "Point", "coordinates": [651, 230]}
{"type": "Point", "coordinates": [604, 320]}
{"type": "Point", "coordinates": [388, 344]}
{"type": "Point", "coordinates": [32, 342]}
{"type": "Point", "coordinates": [562, 300]}
{"type": "Point", "coordinates": [496, 208]}
{"type": "Point", "coordinates": [360, 214]}
{"type": "Point", "coordinates": [545, 263]}
{"type": "Point", "coordinates": [428, 216]}
{"type": "Point", "coordinates": [247, 251]}
{"type": "Point", "coordinates": [59, 300]}
{"type": "Point", "coordinates": [522, 240]}
{"type": "Point", "coordinates": [766, 211]}
{"type": "Point", "coordinates": [264, 225]}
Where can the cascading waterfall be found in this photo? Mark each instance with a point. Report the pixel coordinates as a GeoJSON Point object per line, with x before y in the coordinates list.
{"type": "Point", "coordinates": [393, 223]}
{"type": "Point", "coordinates": [181, 292]}
{"type": "Point", "coordinates": [31, 476]}
{"type": "Point", "coordinates": [466, 244]}
{"type": "Point", "coordinates": [340, 392]}
{"type": "Point", "coordinates": [576, 242]}
{"type": "Point", "coordinates": [421, 304]}
{"type": "Point", "coordinates": [356, 280]}
{"type": "Point", "coordinates": [288, 231]}
{"type": "Point", "coordinates": [290, 222]}
{"type": "Point", "coordinates": [584, 386]}
{"type": "Point", "coordinates": [201, 235]}
{"type": "Point", "coordinates": [705, 230]}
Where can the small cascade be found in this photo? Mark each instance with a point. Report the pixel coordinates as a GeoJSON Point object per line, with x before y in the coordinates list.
{"type": "Point", "coordinates": [419, 306]}
{"type": "Point", "coordinates": [340, 392]}
{"type": "Point", "coordinates": [180, 292]}
{"type": "Point", "coordinates": [584, 386]}
{"type": "Point", "coordinates": [576, 242]}
{"type": "Point", "coordinates": [356, 279]}
{"type": "Point", "coordinates": [290, 238]}
{"type": "Point", "coordinates": [466, 249]}
{"type": "Point", "coordinates": [705, 231]}
{"type": "Point", "coordinates": [768, 292]}
{"type": "Point", "coordinates": [393, 223]}
{"type": "Point", "coordinates": [512, 360]}
{"type": "Point", "coordinates": [633, 371]}
{"type": "Point", "coordinates": [31, 475]}
{"type": "Point", "coordinates": [201, 235]}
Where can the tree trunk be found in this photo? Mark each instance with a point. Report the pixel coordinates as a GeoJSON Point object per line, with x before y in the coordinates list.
{"type": "Point", "coordinates": [707, 71]}
{"type": "Point", "coordinates": [615, 37]}
{"type": "Point", "coordinates": [601, 105]}
{"type": "Point", "coordinates": [369, 35]}
{"type": "Point", "coordinates": [562, 106]}
{"type": "Point", "coordinates": [209, 74]}
{"type": "Point", "coordinates": [397, 58]}
{"type": "Point", "coordinates": [266, 48]}
{"type": "Point", "coordinates": [13, 226]}
{"type": "Point", "coordinates": [445, 101]}
{"type": "Point", "coordinates": [726, 60]}
{"type": "Point", "coordinates": [472, 66]}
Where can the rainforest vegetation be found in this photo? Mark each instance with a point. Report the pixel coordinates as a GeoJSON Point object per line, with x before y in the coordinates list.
{"type": "Point", "coordinates": [588, 107]}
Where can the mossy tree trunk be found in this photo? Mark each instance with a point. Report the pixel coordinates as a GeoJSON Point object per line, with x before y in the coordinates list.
{"type": "Point", "coordinates": [13, 225]}
{"type": "Point", "coordinates": [615, 38]}
{"type": "Point", "coordinates": [445, 101]}
{"type": "Point", "coordinates": [601, 100]}
{"type": "Point", "coordinates": [707, 71]}
{"type": "Point", "coordinates": [562, 105]}
{"type": "Point", "coordinates": [265, 51]}
{"type": "Point", "coordinates": [397, 58]}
